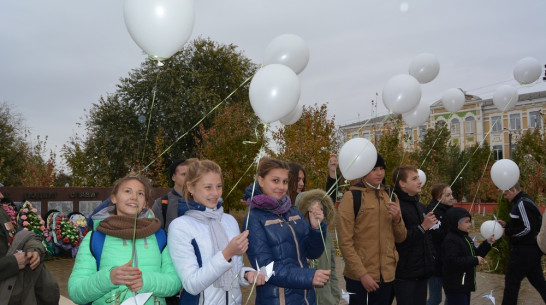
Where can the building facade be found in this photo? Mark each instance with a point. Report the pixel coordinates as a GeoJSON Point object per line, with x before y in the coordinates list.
{"type": "Point", "coordinates": [477, 120]}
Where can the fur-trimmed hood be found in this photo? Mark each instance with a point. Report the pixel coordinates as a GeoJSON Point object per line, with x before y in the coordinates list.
{"type": "Point", "coordinates": [305, 199]}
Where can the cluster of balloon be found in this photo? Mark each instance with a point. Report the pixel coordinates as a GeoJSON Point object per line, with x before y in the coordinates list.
{"type": "Point", "coordinates": [422, 177]}
{"type": "Point", "coordinates": [274, 91]}
{"type": "Point", "coordinates": [453, 99]}
{"type": "Point", "coordinates": [491, 228]}
{"type": "Point", "coordinates": [401, 93]}
{"type": "Point", "coordinates": [527, 70]}
{"type": "Point", "coordinates": [357, 158]}
{"type": "Point", "coordinates": [505, 97]}
{"type": "Point", "coordinates": [159, 27]}
{"type": "Point", "coordinates": [424, 67]}
{"type": "Point", "coordinates": [417, 115]}
{"type": "Point", "coordinates": [505, 174]}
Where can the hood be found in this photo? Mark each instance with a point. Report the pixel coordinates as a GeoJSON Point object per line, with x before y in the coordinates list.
{"type": "Point", "coordinates": [452, 217]}
{"type": "Point", "coordinates": [305, 199]}
{"type": "Point", "coordinates": [248, 191]}
{"type": "Point", "coordinates": [107, 212]}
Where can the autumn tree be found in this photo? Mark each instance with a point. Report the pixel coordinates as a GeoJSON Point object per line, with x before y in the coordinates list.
{"type": "Point", "coordinates": [168, 102]}
{"type": "Point", "coordinates": [233, 142]}
{"type": "Point", "coordinates": [309, 142]}
{"type": "Point", "coordinates": [390, 147]}
{"type": "Point", "coordinates": [530, 156]}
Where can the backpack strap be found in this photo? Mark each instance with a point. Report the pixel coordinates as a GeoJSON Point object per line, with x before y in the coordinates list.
{"type": "Point", "coordinates": [357, 201]}
{"type": "Point", "coordinates": [97, 243]}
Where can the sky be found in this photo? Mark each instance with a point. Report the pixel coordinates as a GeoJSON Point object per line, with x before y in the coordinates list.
{"type": "Point", "coordinates": [59, 57]}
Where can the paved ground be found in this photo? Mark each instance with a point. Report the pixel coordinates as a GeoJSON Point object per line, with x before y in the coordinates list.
{"type": "Point", "coordinates": [486, 282]}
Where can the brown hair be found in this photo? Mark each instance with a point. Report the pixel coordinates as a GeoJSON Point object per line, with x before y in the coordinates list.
{"type": "Point", "coordinates": [196, 170]}
{"type": "Point", "coordinates": [402, 173]}
{"type": "Point", "coordinates": [141, 179]}
{"type": "Point", "coordinates": [293, 177]}
{"type": "Point", "coordinates": [437, 191]}
{"type": "Point", "coordinates": [268, 164]}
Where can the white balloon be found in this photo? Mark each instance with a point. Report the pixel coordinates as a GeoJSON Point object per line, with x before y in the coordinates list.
{"type": "Point", "coordinates": [422, 177]}
{"type": "Point", "coordinates": [274, 92]}
{"type": "Point", "coordinates": [289, 50]}
{"type": "Point", "coordinates": [293, 116]}
{"type": "Point", "coordinates": [505, 174]}
{"type": "Point", "coordinates": [401, 93]}
{"type": "Point", "coordinates": [357, 158]}
{"type": "Point", "coordinates": [491, 227]}
{"type": "Point", "coordinates": [424, 67]}
{"type": "Point", "coordinates": [453, 99]}
{"type": "Point", "coordinates": [159, 27]}
{"type": "Point", "coordinates": [505, 97]}
{"type": "Point", "coordinates": [417, 115]}
{"type": "Point", "coordinates": [527, 70]}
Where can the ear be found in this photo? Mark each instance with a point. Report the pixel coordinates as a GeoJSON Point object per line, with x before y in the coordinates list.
{"type": "Point", "coordinates": [260, 181]}
{"type": "Point", "coordinates": [113, 199]}
{"type": "Point", "coordinates": [190, 187]}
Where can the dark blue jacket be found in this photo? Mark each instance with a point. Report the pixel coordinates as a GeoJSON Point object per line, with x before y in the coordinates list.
{"type": "Point", "coordinates": [288, 240]}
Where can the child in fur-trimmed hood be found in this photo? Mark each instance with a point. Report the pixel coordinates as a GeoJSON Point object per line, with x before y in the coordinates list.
{"type": "Point", "coordinates": [329, 293]}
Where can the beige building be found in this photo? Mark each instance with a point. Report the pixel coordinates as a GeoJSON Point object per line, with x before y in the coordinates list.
{"type": "Point", "coordinates": [478, 119]}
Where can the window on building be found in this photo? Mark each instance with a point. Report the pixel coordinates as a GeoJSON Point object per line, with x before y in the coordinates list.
{"type": "Point", "coordinates": [515, 121]}
{"type": "Point", "coordinates": [408, 132]}
{"type": "Point", "coordinates": [455, 127]}
{"type": "Point", "coordinates": [366, 135]}
{"type": "Point", "coordinates": [354, 135]}
{"type": "Point", "coordinates": [470, 125]}
{"type": "Point", "coordinates": [422, 131]}
{"type": "Point", "coordinates": [441, 123]}
{"type": "Point", "coordinates": [496, 124]}
{"type": "Point", "coordinates": [535, 119]}
{"type": "Point", "coordinates": [497, 152]}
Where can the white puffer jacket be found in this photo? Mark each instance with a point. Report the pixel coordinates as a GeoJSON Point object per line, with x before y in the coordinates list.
{"type": "Point", "coordinates": [196, 280]}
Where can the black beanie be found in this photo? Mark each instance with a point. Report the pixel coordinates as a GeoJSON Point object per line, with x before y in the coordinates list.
{"type": "Point", "coordinates": [380, 162]}
{"type": "Point", "coordinates": [172, 167]}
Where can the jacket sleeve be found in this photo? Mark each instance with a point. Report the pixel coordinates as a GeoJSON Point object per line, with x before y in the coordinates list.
{"type": "Point", "coordinates": [331, 188]}
{"type": "Point", "coordinates": [415, 234]}
{"type": "Point", "coordinates": [399, 229]}
{"type": "Point", "coordinates": [165, 282]}
{"type": "Point", "coordinates": [287, 274]}
{"type": "Point", "coordinates": [518, 232]}
{"type": "Point", "coordinates": [86, 284]}
{"type": "Point", "coordinates": [453, 255]}
{"type": "Point", "coordinates": [345, 225]}
{"type": "Point", "coordinates": [314, 243]}
{"type": "Point", "coordinates": [483, 249]}
{"type": "Point", "coordinates": [195, 279]}
{"type": "Point", "coordinates": [336, 293]}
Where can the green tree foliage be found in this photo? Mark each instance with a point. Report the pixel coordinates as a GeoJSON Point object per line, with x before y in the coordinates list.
{"type": "Point", "coordinates": [21, 162]}
{"type": "Point", "coordinates": [226, 144]}
{"type": "Point", "coordinates": [122, 129]}
{"type": "Point", "coordinates": [309, 142]}
{"type": "Point", "coordinates": [530, 155]}
{"type": "Point", "coordinates": [390, 147]}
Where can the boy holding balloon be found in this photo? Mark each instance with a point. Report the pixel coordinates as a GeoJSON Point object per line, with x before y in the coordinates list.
{"type": "Point", "coordinates": [460, 257]}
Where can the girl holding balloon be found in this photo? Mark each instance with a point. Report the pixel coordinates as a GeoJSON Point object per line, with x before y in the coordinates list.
{"type": "Point", "coordinates": [279, 234]}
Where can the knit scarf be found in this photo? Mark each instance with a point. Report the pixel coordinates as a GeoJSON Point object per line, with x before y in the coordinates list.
{"type": "Point", "coordinates": [270, 204]}
{"type": "Point", "coordinates": [218, 237]}
{"type": "Point", "coordinates": [123, 226]}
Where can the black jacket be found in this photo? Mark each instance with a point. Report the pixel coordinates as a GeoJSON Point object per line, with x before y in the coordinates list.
{"type": "Point", "coordinates": [525, 222]}
{"type": "Point", "coordinates": [459, 255]}
{"type": "Point", "coordinates": [438, 234]}
{"type": "Point", "coordinates": [416, 253]}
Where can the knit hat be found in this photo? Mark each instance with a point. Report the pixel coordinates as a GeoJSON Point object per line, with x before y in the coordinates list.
{"type": "Point", "coordinates": [174, 165]}
{"type": "Point", "coordinates": [454, 216]}
{"type": "Point", "coordinates": [380, 162]}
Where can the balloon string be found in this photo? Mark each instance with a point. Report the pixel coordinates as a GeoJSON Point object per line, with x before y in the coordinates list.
{"type": "Point", "coordinates": [480, 181]}
{"type": "Point", "coordinates": [196, 124]}
{"type": "Point", "coordinates": [257, 161]}
{"type": "Point", "coordinates": [397, 173]}
{"type": "Point", "coordinates": [434, 143]}
{"type": "Point", "coordinates": [150, 117]}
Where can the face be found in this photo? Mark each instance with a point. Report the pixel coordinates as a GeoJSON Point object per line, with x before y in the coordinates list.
{"type": "Point", "coordinates": [130, 198]}
{"type": "Point", "coordinates": [179, 176]}
{"type": "Point", "coordinates": [375, 177]}
{"type": "Point", "coordinates": [301, 183]}
{"type": "Point", "coordinates": [275, 183]}
{"type": "Point", "coordinates": [207, 190]}
{"type": "Point", "coordinates": [447, 197]}
{"type": "Point", "coordinates": [412, 185]}
{"type": "Point", "coordinates": [510, 194]}
{"type": "Point", "coordinates": [465, 225]}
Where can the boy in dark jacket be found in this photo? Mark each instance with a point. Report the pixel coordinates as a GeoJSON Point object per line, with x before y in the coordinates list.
{"type": "Point", "coordinates": [460, 257]}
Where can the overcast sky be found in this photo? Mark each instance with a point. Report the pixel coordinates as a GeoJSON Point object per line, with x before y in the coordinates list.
{"type": "Point", "coordinates": [58, 57]}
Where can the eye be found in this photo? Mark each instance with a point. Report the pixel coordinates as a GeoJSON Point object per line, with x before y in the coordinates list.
{"type": "Point", "coordinates": [285, 182]}
{"type": "Point", "coordinates": [276, 180]}
{"type": "Point", "coordinates": [141, 193]}
{"type": "Point", "coordinates": [208, 187]}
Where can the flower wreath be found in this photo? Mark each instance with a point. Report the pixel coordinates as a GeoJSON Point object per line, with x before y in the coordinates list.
{"type": "Point", "coordinates": [28, 219]}
{"type": "Point", "coordinates": [65, 234]}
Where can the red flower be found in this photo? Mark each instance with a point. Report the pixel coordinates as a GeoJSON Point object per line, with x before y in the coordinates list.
{"type": "Point", "coordinates": [75, 244]}
{"type": "Point", "coordinates": [66, 240]}
{"type": "Point", "coordinates": [58, 222]}
{"type": "Point", "coordinates": [57, 226]}
{"type": "Point", "coordinates": [58, 237]}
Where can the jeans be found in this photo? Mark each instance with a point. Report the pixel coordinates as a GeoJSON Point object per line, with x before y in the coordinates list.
{"type": "Point", "coordinates": [381, 296]}
{"type": "Point", "coordinates": [435, 291]}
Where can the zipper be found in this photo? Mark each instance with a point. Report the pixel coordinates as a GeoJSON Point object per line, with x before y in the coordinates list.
{"type": "Point", "coordinates": [298, 253]}
{"type": "Point", "coordinates": [474, 255]}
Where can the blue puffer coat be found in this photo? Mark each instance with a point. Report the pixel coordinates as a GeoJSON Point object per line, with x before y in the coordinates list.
{"type": "Point", "coordinates": [287, 240]}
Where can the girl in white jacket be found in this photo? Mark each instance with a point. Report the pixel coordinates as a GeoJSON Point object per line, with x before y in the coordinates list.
{"type": "Point", "coordinates": [206, 245]}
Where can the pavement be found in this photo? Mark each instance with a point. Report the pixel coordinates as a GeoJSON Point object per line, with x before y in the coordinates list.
{"type": "Point", "coordinates": [61, 267]}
